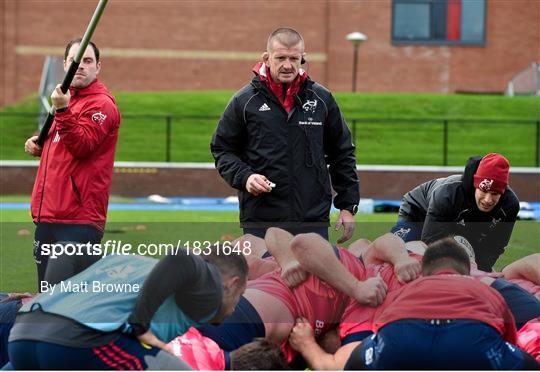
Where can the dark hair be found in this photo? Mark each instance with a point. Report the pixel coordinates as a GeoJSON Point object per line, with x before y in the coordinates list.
{"type": "Point", "coordinates": [259, 354]}
{"type": "Point", "coordinates": [78, 41]}
{"type": "Point", "coordinates": [229, 264]}
{"type": "Point", "coordinates": [445, 253]}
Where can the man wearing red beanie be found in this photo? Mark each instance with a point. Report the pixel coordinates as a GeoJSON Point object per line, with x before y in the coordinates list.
{"type": "Point", "coordinates": [478, 205]}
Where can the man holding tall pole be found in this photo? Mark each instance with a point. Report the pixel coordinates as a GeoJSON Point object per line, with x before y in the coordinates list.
{"type": "Point", "coordinates": [71, 190]}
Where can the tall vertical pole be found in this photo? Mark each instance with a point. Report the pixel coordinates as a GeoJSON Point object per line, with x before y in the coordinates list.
{"type": "Point", "coordinates": [355, 67]}
{"type": "Point", "coordinates": [445, 142]}
{"type": "Point", "coordinates": [73, 67]}
{"type": "Point", "coordinates": [356, 38]}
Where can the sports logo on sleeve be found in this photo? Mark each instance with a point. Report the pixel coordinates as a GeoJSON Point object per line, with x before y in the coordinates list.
{"type": "Point", "coordinates": [99, 118]}
{"type": "Point", "coordinates": [402, 232]}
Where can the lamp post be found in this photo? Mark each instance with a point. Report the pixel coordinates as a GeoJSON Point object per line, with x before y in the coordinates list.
{"type": "Point", "coordinates": [356, 38]}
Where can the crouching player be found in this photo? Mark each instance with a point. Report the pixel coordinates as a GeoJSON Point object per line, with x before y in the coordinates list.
{"type": "Point", "coordinates": [444, 320]}
{"type": "Point", "coordinates": [78, 328]}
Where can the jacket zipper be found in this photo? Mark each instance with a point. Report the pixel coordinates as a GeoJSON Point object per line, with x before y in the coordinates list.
{"type": "Point", "coordinates": [270, 95]}
{"type": "Point", "coordinates": [45, 177]}
{"type": "Point", "coordinates": [291, 171]}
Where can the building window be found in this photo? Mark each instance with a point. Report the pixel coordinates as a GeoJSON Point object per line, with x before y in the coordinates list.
{"type": "Point", "coordinates": [458, 22]}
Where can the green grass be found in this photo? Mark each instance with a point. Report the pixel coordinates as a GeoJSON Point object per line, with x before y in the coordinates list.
{"type": "Point", "coordinates": [393, 142]}
{"type": "Point", "coordinates": [17, 268]}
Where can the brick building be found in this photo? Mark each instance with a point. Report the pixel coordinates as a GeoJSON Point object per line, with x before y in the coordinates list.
{"type": "Point", "coordinates": [439, 46]}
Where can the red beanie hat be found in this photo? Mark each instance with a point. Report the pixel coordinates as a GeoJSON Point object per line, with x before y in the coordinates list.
{"type": "Point", "coordinates": [492, 173]}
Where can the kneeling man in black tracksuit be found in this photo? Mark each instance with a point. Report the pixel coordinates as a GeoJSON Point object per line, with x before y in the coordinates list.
{"type": "Point", "coordinates": [478, 205]}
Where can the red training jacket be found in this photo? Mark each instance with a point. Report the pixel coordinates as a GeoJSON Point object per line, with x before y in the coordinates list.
{"type": "Point", "coordinates": [74, 176]}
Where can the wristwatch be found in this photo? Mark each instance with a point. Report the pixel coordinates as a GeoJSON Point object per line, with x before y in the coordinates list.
{"type": "Point", "coordinates": [353, 209]}
{"type": "Point", "coordinates": [63, 109]}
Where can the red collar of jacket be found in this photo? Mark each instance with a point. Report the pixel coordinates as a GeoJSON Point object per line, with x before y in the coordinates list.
{"type": "Point", "coordinates": [285, 94]}
{"type": "Point", "coordinates": [94, 87]}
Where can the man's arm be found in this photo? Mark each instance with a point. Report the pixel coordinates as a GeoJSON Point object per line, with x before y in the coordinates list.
{"type": "Point", "coordinates": [493, 247]}
{"type": "Point", "coordinates": [340, 151]}
{"type": "Point", "coordinates": [391, 248]}
{"type": "Point", "coordinates": [341, 158]}
{"type": "Point", "coordinates": [278, 243]}
{"type": "Point", "coordinates": [165, 280]}
{"type": "Point", "coordinates": [257, 248]}
{"type": "Point", "coordinates": [316, 255]}
{"type": "Point", "coordinates": [499, 238]}
{"type": "Point", "coordinates": [386, 248]}
{"type": "Point", "coordinates": [527, 267]}
{"type": "Point", "coordinates": [438, 222]}
{"type": "Point", "coordinates": [302, 339]}
{"type": "Point", "coordinates": [227, 147]}
{"type": "Point", "coordinates": [82, 133]}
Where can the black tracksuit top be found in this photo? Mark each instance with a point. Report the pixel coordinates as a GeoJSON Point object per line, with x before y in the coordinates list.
{"type": "Point", "coordinates": [447, 206]}
{"type": "Point", "coordinates": [304, 152]}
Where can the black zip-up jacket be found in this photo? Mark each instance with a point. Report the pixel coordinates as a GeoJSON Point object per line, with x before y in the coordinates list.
{"type": "Point", "coordinates": [256, 135]}
{"type": "Point", "coordinates": [447, 206]}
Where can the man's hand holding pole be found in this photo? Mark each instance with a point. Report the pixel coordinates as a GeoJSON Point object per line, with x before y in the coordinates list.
{"type": "Point", "coordinates": [68, 78]}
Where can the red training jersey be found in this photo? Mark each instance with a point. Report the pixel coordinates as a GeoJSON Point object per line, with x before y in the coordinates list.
{"type": "Point", "coordinates": [448, 296]}
{"type": "Point", "coordinates": [200, 352]}
{"type": "Point", "coordinates": [315, 300]}
{"type": "Point", "coordinates": [359, 318]}
{"type": "Point", "coordinates": [528, 338]}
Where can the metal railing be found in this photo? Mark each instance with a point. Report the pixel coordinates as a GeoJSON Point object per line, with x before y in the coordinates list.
{"type": "Point", "coordinates": [449, 132]}
{"type": "Point", "coordinates": [374, 137]}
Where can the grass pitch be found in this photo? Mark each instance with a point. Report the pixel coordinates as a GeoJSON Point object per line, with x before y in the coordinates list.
{"type": "Point", "coordinates": [18, 273]}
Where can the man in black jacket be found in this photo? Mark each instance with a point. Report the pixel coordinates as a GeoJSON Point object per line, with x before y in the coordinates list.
{"type": "Point", "coordinates": [477, 205]}
{"type": "Point", "coordinates": [280, 141]}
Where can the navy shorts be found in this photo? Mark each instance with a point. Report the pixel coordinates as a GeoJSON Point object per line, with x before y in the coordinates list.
{"type": "Point", "coordinates": [523, 305]}
{"type": "Point", "coordinates": [421, 344]}
{"type": "Point", "coordinates": [124, 354]}
{"type": "Point", "coordinates": [8, 312]}
{"type": "Point", "coordinates": [260, 232]}
{"type": "Point", "coordinates": [407, 230]}
{"type": "Point", "coordinates": [49, 233]}
{"type": "Point", "coordinates": [240, 328]}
